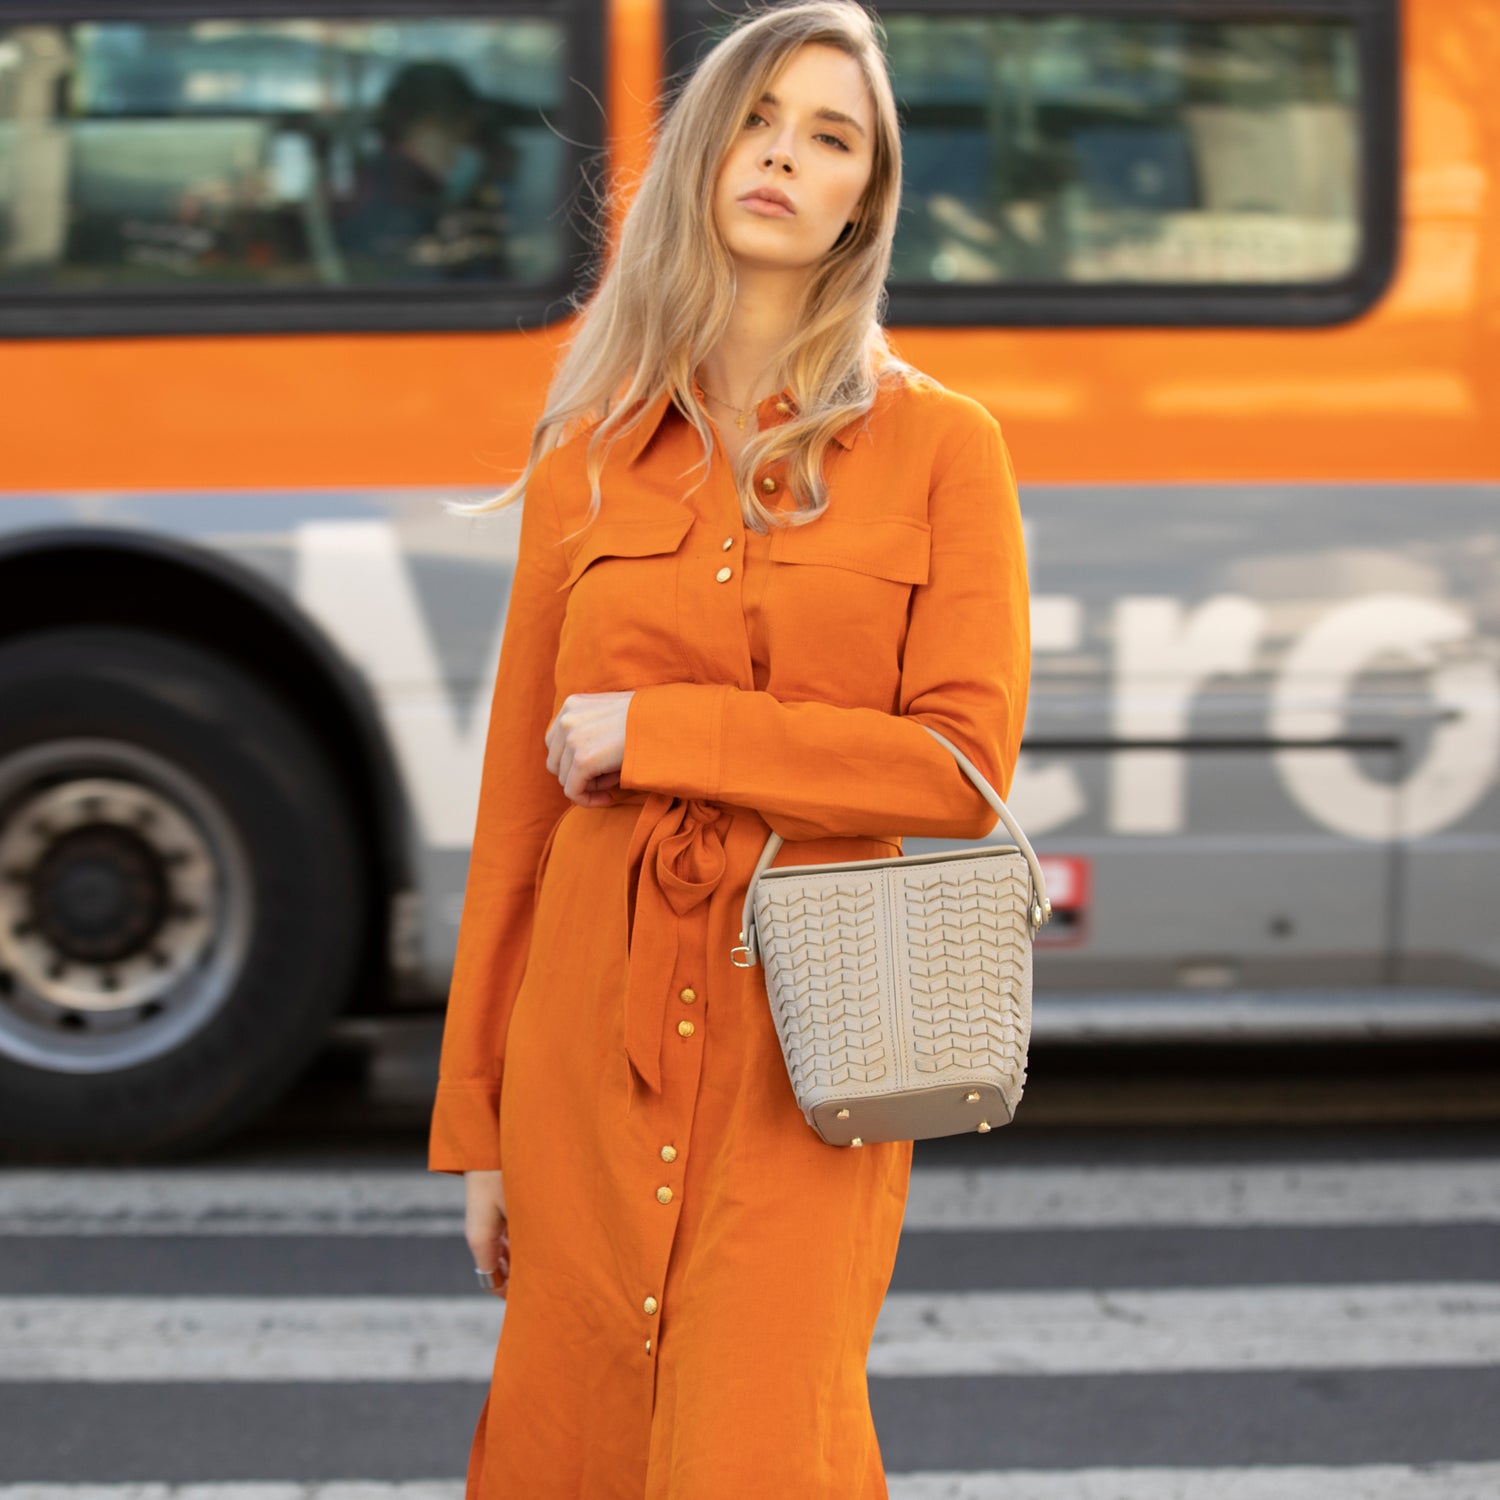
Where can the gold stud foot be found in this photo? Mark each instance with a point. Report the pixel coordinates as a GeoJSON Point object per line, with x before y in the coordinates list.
{"type": "Point", "coordinates": [982, 1127]}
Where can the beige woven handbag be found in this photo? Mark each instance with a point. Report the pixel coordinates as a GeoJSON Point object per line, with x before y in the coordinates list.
{"type": "Point", "coordinates": [901, 988]}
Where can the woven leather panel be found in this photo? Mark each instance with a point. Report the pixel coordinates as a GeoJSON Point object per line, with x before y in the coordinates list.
{"type": "Point", "coordinates": [968, 967]}
{"type": "Point", "coordinates": [826, 982]}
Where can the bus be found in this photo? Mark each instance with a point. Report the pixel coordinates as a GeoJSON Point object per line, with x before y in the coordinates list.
{"type": "Point", "coordinates": [278, 278]}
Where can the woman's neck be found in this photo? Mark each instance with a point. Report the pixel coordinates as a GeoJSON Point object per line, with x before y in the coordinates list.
{"type": "Point", "coordinates": [745, 365]}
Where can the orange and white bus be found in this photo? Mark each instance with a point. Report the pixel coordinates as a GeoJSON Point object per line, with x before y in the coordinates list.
{"type": "Point", "coordinates": [277, 277]}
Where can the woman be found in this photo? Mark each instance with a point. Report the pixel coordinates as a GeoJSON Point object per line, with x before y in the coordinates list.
{"type": "Point", "coordinates": [692, 659]}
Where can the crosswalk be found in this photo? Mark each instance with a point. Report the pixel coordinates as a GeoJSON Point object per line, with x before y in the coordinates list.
{"type": "Point", "coordinates": [1290, 1482]}
{"type": "Point", "coordinates": [1240, 1330]}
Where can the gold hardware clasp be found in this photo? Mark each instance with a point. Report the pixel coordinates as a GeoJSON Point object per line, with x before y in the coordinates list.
{"type": "Point", "coordinates": [742, 948]}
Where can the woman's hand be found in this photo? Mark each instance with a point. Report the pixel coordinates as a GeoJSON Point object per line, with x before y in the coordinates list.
{"type": "Point", "coordinates": [486, 1227]}
{"type": "Point", "coordinates": [586, 745]}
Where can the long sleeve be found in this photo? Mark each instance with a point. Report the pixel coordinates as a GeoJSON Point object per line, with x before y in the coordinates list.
{"type": "Point", "coordinates": [816, 769]}
{"type": "Point", "coordinates": [520, 802]}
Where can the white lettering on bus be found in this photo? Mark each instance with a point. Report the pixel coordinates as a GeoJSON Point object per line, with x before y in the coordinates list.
{"type": "Point", "coordinates": [1311, 694]}
{"type": "Point", "coordinates": [351, 578]}
{"type": "Point", "coordinates": [1163, 655]}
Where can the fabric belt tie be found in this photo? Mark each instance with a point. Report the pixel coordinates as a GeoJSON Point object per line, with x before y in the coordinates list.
{"type": "Point", "coordinates": [681, 861]}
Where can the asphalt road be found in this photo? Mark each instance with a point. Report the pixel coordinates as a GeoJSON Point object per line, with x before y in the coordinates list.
{"type": "Point", "coordinates": [1177, 1274]}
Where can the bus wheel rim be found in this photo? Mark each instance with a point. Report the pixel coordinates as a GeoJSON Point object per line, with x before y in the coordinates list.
{"type": "Point", "coordinates": [125, 905]}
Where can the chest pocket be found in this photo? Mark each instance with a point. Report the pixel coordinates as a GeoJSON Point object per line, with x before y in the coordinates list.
{"type": "Point", "coordinates": [898, 548]}
{"type": "Point", "coordinates": [621, 537]}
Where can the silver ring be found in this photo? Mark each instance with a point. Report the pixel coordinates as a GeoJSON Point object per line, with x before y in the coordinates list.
{"type": "Point", "coordinates": [486, 1278]}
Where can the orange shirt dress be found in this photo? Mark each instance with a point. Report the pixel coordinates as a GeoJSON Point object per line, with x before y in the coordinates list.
{"type": "Point", "coordinates": [695, 1276]}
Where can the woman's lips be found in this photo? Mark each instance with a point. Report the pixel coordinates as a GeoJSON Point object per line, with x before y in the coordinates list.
{"type": "Point", "coordinates": [767, 206]}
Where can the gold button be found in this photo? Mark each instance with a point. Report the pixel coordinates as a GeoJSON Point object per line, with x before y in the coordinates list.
{"type": "Point", "coordinates": [768, 485]}
{"type": "Point", "coordinates": [687, 995]}
{"type": "Point", "coordinates": [684, 1028]}
{"type": "Point", "coordinates": [664, 1195]}
{"type": "Point", "coordinates": [649, 1304]}
{"type": "Point", "coordinates": [648, 1346]}
{"type": "Point", "coordinates": [724, 574]}
{"type": "Point", "coordinates": [727, 543]}
{"type": "Point", "coordinates": [669, 1153]}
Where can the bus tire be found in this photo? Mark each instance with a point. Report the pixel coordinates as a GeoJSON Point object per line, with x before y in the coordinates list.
{"type": "Point", "coordinates": [181, 898]}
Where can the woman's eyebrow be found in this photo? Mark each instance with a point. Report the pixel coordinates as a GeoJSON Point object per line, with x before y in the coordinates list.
{"type": "Point", "coordinates": [823, 114]}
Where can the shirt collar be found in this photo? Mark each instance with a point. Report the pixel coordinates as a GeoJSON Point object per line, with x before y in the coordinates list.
{"type": "Point", "coordinates": [633, 443]}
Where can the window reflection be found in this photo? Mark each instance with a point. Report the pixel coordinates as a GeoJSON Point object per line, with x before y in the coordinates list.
{"type": "Point", "coordinates": [280, 153]}
{"type": "Point", "coordinates": [1098, 149]}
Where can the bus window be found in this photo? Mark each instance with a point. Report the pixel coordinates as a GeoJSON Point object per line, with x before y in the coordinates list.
{"type": "Point", "coordinates": [1144, 165]}
{"type": "Point", "coordinates": [274, 154]}
{"type": "Point", "coordinates": [1100, 148]}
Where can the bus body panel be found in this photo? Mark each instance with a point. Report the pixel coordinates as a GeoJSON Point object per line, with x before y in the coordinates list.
{"type": "Point", "coordinates": [1266, 701]}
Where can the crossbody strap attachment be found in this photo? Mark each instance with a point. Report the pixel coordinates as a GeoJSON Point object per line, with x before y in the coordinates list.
{"type": "Point", "coordinates": [1041, 907]}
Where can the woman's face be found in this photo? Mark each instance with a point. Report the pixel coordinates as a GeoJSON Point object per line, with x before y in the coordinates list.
{"type": "Point", "coordinates": [809, 139]}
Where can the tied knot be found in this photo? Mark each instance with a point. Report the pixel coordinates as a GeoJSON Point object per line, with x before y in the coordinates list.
{"type": "Point", "coordinates": [677, 860]}
{"type": "Point", "coordinates": [689, 853]}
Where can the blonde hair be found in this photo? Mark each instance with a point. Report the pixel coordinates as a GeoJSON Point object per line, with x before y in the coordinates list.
{"type": "Point", "coordinates": [667, 295]}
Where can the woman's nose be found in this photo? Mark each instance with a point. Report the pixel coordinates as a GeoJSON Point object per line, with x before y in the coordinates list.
{"type": "Point", "coordinates": [779, 155]}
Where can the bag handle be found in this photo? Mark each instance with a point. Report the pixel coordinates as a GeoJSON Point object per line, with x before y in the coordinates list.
{"type": "Point", "coordinates": [1041, 907]}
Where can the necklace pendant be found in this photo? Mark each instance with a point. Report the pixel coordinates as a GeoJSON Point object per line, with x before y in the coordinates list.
{"type": "Point", "coordinates": [740, 423]}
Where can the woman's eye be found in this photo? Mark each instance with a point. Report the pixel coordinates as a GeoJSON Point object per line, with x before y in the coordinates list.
{"type": "Point", "coordinates": [755, 117]}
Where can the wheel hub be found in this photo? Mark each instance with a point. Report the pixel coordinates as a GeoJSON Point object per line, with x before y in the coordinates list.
{"type": "Point", "coordinates": [109, 895]}
{"type": "Point", "coordinates": [99, 894]}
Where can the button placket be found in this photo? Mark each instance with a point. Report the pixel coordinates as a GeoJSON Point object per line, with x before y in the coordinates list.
{"type": "Point", "coordinates": [671, 1116]}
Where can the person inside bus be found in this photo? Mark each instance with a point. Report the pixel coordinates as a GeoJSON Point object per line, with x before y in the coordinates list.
{"type": "Point", "coordinates": [758, 553]}
{"type": "Point", "coordinates": [426, 204]}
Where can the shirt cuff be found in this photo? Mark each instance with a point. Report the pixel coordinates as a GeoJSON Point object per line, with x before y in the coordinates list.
{"type": "Point", "coordinates": [465, 1131]}
{"type": "Point", "coordinates": [674, 732]}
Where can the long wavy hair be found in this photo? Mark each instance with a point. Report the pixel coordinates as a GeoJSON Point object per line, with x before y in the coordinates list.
{"type": "Point", "coordinates": [667, 294]}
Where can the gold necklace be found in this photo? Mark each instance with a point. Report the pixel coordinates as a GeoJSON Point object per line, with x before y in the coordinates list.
{"type": "Point", "coordinates": [739, 415]}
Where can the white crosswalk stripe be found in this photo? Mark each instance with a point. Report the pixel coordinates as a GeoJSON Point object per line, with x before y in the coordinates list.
{"type": "Point", "coordinates": [1457, 1481]}
{"type": "Point", "coordinates": [1033, 1333]}
{"type": "Point", "coordinates": [170, 1201]}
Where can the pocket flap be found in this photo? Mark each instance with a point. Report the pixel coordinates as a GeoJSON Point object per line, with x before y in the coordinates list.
{"type": "Point", "coordinates": [894, 547]}
{"type": "Point", "coordinates": [620, 536]}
